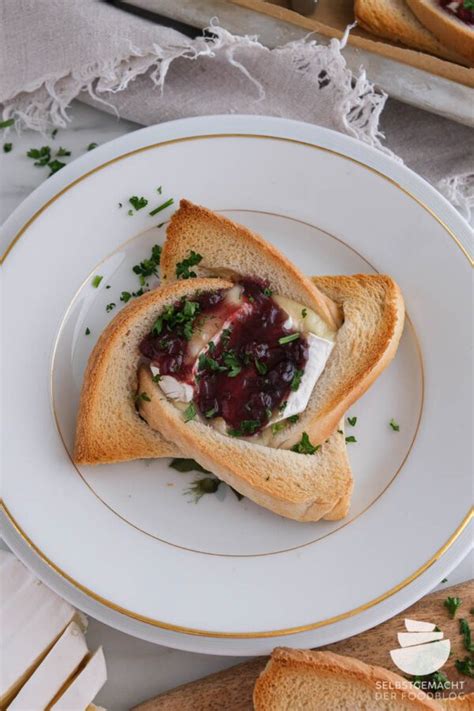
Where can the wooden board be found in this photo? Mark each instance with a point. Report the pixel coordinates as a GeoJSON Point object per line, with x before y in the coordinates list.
{"type": "Point", "coordinates": [232, 688]}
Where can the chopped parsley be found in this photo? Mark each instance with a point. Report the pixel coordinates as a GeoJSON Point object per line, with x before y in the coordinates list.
{"type": "Point", "coordinates": [41, 156]}
{"type": "Point", "coordinates": [465, 630]}
{"type": "Point", "coordinates": [394, 425]}
{"type": "Point", "coordinates": [143, 396]}
{"type": "Point", "coordinates": [149, 267]}
{"type": "Point", "coordinates": [7, 147]}
{"type": "Point", "coordinates": [96, 280]}
{"type": "Point", "coordinates": [288, 339]}
{"type": "Point", "coordinates": [54, 133]}
{"type": "Point", "coordinates": [352, 421]}
{"type": "Point", "coordinates": [87, 331]}
{"type": "Point", "coordinates": [183, 270]}
{"type": "Point", "coordinates": [465, 666]}
{"type": "Point", "coordinates": [187, 465]}
{"type": "Point", "coordinates": [232, 363]}
{"type": "Point", "coordinates": [63, 152]}
{"type": "Point", "coordinates": [267, 291]}
{"type": "Point", "coordinates": [210, 413]}
{"type": "Point", "coordinates": [198, 488]}
{"type": "Point", "coordinates": [296, 382]}
{"type": "Point", "coordinates": [226, 334]}
{"type": "Point", "coordinates": [130, 213]}
{"type": "Point", "coordinates": [205, 362]}
{"type": "Point", "coordinates": [283, 405]}
{"type": "Point", "coordinates": [156, 378]}
{"type": "Point", "coordinates": [159, 189]}
{"type": "Point", "coordinates": [138, 203]}
{"type": "Point", "coordinates": [161, 207]}
{"type": "Point", "coordinates": [278, 426]}
{"type": "Point", "coordinates": [247, 427]}
{"type": "Point", "coordinates": [304, 446]}
{"type": "Point", "coordinates": [91, 146]}
{"type": "Point", "coordinates": [260, 367]}
{"type": "Point", "coordinates": [110, 307]}
{"type": "Point", "coordinates": [351, 439]}
{"type": "Point", "coordinates": [304, 313]}
{"type": "Point", "coordinates": [7, 123]}
{"type": "Point", "coordinates": [54, 166]}
{"type": "Point", "coordinates": [293, 419]}
{"type": "Point", "coordinates": [452, 604]}
{"type": "Point", "coordinates": [468, 4]}
{"type": "Point", "coordinates": [190, 412]}
{"type": "Point", "coordinates": [180, 319]}
{"type": "Point", "coordinates": [444, 580]}
{"type": "Point", "coordinates": [125, 296]}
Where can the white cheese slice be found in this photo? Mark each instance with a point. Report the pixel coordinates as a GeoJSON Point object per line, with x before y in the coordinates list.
{"type": "Point", "coordinates": [32, 617]}
{"type": "Point", "coordinates": [319, 350]}
{"type": "Point", "coordinates": [422, 659]}
{"type": "Point", "coordinates": [409, 639]}
{"type": "Point", "coordinates": [172, 388]}
{"type": "Point", "coordinates": [310, 321]}
{"type": "Point", "coordinates": [54, 671]}
{"type": "Point", "coordinates": [417, 626]}
{"type": "Point", "coordinates": [85, 687]}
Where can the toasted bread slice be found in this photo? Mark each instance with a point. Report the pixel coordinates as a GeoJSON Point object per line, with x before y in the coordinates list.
{"type": "Point", "coordinates": [394, 20]}
{"type": "Point", "coordinates": [230, 250]}
{"type": "Point", "coordinates": [373, 309]}
{"type": "Point", "coordinates": [459, 703]}
{"type": "Point", "coordinates": [449, 29]}
{"type": "Point", "coordinates": [323, 681]}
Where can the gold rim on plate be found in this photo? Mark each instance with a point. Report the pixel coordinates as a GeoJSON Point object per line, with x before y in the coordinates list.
{"type": "Point", "coordinates": [211, 633]}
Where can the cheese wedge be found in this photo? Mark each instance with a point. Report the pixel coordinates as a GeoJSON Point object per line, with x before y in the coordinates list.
{"type": "Point", "coordinates": [54, 672]}
{"type": "Point", "coordinates": [417, 626]}
{"type": "Point", "coordinates": [409, 639]}
{"type": "Point", "coordinates": [85, 687]}
{"type": "Point", "coordinates": [32, 618]}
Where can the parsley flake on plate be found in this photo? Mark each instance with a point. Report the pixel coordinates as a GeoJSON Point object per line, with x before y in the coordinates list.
{"type": "Point", "coordinates": [304, 446]}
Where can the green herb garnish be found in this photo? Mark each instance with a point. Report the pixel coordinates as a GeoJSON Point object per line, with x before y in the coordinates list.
{"type": "Point", "coordinates": [130, 213]}
{"type": "Point", "coordinates": [205, 362]}
{"type": "Point", "coordinates": [232, 363]}
{"type": "Point", "coordinates": [293, 419]}
{"type": "Point", "coordinates": [187, 465]}
{"type": "Point", "coordinates": [96, 280]}
{"type": "Point", "coordinates": [110, 307]}
{"type": "Point", "coordinates": [41, 156]}
{"type": "Point", "coordinates": [190, 412]}
{"type": "Point", "coordinates": [7, 147]}
{"type": "Point", "coordinates": [444, 580]}
{"type": "Point", "coordinates": [304, 312]}
{"type": "Point", "coordinates": [54, 166]}
{"type": "Point", "coordinates": [203, 486]}
{"type": "Point", "coordinates": [465, 630]}
{"type": "Point", "coordinates": [468, 4]}
{"type": "Point", "coordinates": [149, 267]}
{"type": "Point", "coordinates": [7, 123]}
{"type": "Point", "coordinates": [125, 296]}
{"type": "Point", "coordinates": [452, 604]}
{"type": "Point", "coordinates": [267, 291]}
{"type": "Point", "coordinates": [304, 446]}
{"type": "Point", "coordinates": [143, 396]}
{"type": "Point", "coordinates": [288, 339]}
{"type": "Point", "coordinates": [161, 207]}
{"type": "Point", "coordinates": [91, 146]}
{"type": "Point", "coordinates": [296, 382]}
{"type": "Point", "coordinates": [63, 152]}
{"type": "Point", "coordinates": [260, 367]}
{"type": "Point", "coordinates": [465, 666]}
{"type": "Point", "coordinates": [87, 331]}
{"type": "Point", "coordinates": [351, 439]}
{"type": "Point", "coordinates": [247, 427]}
{"type": "Point", "coordinates": [352, 421]}
{"type": "Point", "coordinates": [54, 133]}
{"type": "Point", "coordinates": [183, 268]}
{"type": "Point", "coordinates": [394, 425]}
{"type": "Point", "coordinates": [283, 405]}
{"type": "Point", "coordinates": [156, 378]}
{"type": "Point", "coordinates": [278, 426]}
{"type": "Point", "coordinates": [138, 202]}
{"type": "Point", "coordinates": [226, 333]}
{"type": "Point", "coordinates": [210, 413]}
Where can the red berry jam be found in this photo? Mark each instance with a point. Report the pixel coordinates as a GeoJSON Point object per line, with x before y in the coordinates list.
{"type": "Point", "coordinates": [251, 369]}
{"type": "Point", "coordinates": [462, 9]}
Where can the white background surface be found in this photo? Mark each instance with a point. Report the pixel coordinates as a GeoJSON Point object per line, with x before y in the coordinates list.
{"type": "Point", "coordinates": [137, 669]}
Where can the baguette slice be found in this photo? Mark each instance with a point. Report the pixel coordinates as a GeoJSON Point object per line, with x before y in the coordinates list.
{"type": "Point", "coordinates": [323, 681]}
{"type": "Point", "coordinates": [395, 21]}
{"type": "Point", "coordinates": [447, 28]}
{"type": "Point", "coordinates": [373, 309]}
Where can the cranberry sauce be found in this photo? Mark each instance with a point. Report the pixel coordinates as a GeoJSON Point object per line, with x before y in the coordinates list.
{"type": "Point", "coordinates": [167, 343]}
{"type": "Point", "coordinates": [462, 10]}
{"type": "Point", "coordinates": [250, 372]}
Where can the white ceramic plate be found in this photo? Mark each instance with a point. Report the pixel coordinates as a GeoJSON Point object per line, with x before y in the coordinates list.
{"type": "Point", "coordinates": [227, 576]}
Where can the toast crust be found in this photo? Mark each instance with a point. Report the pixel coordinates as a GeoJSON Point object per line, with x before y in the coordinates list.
{"type": "Point", "coordinates": [395, 21]}
{"type": "Point", "coordinates": [193, 227]}
{"type": "Point", "coordinates": [269, 688]}
{"type": "Point", "coordinates": [447, 28]}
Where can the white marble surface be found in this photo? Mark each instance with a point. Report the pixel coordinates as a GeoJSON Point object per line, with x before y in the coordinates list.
{"type": "Point", "coordinates": [137, 670]}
